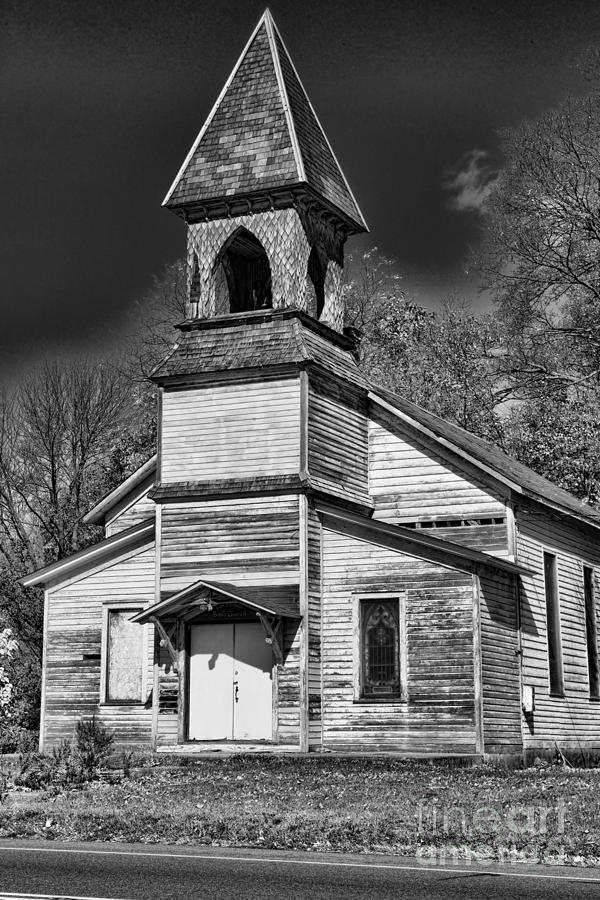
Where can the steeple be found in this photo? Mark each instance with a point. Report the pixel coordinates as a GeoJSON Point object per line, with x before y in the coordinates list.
{"type": "Point", "coordinates": [267, 205]}
{"type": "Point", "coordinates": [261, 139]}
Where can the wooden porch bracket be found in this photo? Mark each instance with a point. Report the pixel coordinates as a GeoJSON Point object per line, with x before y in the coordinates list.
{"type": "Point", "coordinates": [272, 630]}
{"type": "Point", "coordinates": [165, 641]}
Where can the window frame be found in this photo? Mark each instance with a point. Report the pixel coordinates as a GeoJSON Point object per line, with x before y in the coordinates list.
{"type": "Point", "coordinates": [591, 629]}
{"type": "Point", "coordinates": [132, 608]}
{"type": "Point", "coordinates": [556, 678]}
{"type": "Point", "coordinates": [360, 598]}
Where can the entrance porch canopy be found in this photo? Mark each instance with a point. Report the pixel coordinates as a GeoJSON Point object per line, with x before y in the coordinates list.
{"type": "Point", "coordinates": [270, 604]}
{"type": "Point", "coordinates": [205, 596]}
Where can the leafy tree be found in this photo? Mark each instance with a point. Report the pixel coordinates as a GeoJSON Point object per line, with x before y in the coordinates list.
{"type": "Point", "coordinates": [560, 439]}
{"type": "Point", "coordinates": [442, 360]}
{"type": "Point", "coordinates": [8, 647]}
{"type": "Point", "coordinates": [541, 249]}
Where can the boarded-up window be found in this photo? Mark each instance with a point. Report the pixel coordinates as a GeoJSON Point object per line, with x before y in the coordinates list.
{"type": "Point", "coordinates": [591, 631]}
{"type": "Point", "coordinates": [380, 648]}
{"type": "Point", "coordinates": [555, 666]}
{"type": "Point", "coordinates": [124, 662]}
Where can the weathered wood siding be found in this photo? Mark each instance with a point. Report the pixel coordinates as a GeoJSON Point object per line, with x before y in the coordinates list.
{"type": "Point", "coordinates": [411, 480]}
{"type": "Point", "coordinates": [253, 541]}
{"type": "Point", "coordinates": [131, 513]}
{"type": "Point", "coordinates": [73, 646]}
{"type": "Point", "coordinates": [314, 629]}
{"type": "Point", "coordinates": [231, 431]}
{"type": "Point", "coordinates": [500, 664]}
{"type": "Point", "coordinates": [167, 698]}
{"type": "Point", "coordinates": [288, 686]}
{"type": "Point", "coordinates": [337, 439]}
{"type": "Point", "coordinates": [439, 715]}
{"type": "Point", "coordinates": [573, 720]}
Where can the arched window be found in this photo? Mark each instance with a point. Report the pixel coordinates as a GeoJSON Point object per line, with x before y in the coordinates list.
{"type": "Point", "coordinates": [380, 648]}
{"type": "Point", "coordinates": [317, 277]}
{"type": "Point", "coordinates": [244, 266]}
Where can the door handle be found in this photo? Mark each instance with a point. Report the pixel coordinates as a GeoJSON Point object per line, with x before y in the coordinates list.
{"type": "Point", "coordinates": [235, 692]}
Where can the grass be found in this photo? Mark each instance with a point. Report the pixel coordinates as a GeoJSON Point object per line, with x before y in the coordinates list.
{"type": "Point", "coordinates": [546, 814]}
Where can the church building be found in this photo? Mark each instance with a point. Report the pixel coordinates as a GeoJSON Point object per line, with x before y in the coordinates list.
{"type": "Point", "coordinates": [311, 563]}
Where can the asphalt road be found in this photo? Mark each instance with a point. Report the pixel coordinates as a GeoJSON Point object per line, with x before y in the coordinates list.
{"type": "Point", "coordinates": [175, 873]}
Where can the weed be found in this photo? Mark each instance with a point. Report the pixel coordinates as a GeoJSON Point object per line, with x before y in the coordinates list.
{"type": "Point", "coordinates": [93, 743]}
{"type": "Point", "coordinates": [127, 760]}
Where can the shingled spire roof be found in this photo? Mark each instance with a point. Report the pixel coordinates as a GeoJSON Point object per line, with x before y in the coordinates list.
{"type": "Point", "coordinates": [262, 136]}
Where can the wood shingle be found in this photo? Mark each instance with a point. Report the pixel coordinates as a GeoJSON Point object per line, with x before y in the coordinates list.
{"type": "Point", "coordinates": [262, 136]}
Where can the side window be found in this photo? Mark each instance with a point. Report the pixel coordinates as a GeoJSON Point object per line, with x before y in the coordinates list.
{"type": "Point", "coordinates": [591, 630]}
{"type": "Point", "coordinates": [124, 657]}
{"type": "Point", "coordinates": [380, 649]}
{"type": "Point", "coordinates": [555, 663]}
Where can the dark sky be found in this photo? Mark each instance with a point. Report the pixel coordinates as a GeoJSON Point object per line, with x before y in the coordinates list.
{"type": "Point", "coordinates": [100, 102]}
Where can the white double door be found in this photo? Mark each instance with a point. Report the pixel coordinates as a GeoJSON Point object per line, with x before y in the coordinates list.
{"type": "Point", "coordinates": [230, 683]}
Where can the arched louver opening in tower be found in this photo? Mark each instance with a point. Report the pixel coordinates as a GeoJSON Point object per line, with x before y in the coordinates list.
{"type": "Point", "coordinates": [242, 275]}
{"type": "Point", "coordinates": [316, 275]}
{"type": "Point", "coordinates": [194, 289]}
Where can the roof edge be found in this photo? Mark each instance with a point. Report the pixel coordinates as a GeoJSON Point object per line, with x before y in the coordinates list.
{"type": "Point", "coordinates": [97, 513]}
{"type": "Point", "coordinates": [373, 395]}
{"type": "Point", "coordinates": [523, 491]}
{"type": "Point", "coordinates": [411, 537]}
{"type": "Point", "coordinates": [96, 552]}
{"type": "Point", "coordinates": [271, 30]}
{"type": "Point", "coordinates": [361, 222]}
{"type": "Point", "coordinates": [231, 591]}
{"type": "Point", "coordinates": [262, 21]}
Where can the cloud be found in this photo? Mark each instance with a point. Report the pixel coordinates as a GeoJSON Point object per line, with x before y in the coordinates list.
{"type": "Point", "coordinates": [470, 181]}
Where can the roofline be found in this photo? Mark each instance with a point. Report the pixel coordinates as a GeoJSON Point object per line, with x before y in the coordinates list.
{"type": "Point", "coordinates": [97, 514]}
{"type": "Point", "coordinates": [489, 470]}
{"type": "Point", "coordinates": [118, 541]}
{"type": "Point", "coordinates": [271, 30]}
{"type": "Point", "coordinates": [276, 31]}
{"type": "Point", "coordinates": [403, 536]}
{"type": "Point", "coordinates": [444, 442]}
{"type": "Point", "coordinates": [211, 115]}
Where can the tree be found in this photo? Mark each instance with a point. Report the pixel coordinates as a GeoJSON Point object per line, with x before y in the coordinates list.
{"type": "Point", "coordinates": [541, 250]}
{"type": "Point", "coordinates": [442, 360]}
{"type": "Point", "coordinates": [151, 333]}
{"type": "Point", "coordinates": [8, 647]}
{"type": "Point", "coordinates": [58, 430]}
{"type": "Point", "coordinates": [560, 439]}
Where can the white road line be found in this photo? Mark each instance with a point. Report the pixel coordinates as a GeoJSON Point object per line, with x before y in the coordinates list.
{"type": "Point", "coordinates": [425, 867]}
{"type": "Point", "coordinates": [6, 894]}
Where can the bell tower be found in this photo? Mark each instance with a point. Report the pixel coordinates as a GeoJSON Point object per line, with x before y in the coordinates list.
{"type": "Point", "coordinates": [267, 207]}
{"type": "Point", "coordinates": [262, 405]}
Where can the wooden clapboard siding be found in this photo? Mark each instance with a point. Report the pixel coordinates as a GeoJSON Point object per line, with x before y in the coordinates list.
{"type": "Point", "coordinates": [337, 438]}
{"type": "Point", "coordinates": [288, 686]}
{"type": "Point", "coordinates": [231, 431]}
{"type": "Point", "coordinates": [167, 699]}
{"type": "Point", "coordinates": [251, 540]}
{"type": "Point", "coordinates": [439, 716]}
{"type": "Point", "coordinates": [314, 628]}
{"type": "Point", "coordinates": [500, 663]}
{"type": "Point", "coordinates": [411, 479]}
{"type": "Point", "coordinates": [573, 720]}
{"type": "Point", "coordinates": [74, 640]}
{"type": "Point", "coordinates": [487, 538]}
{"type": "Point", "coordinates": [132, 513]}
